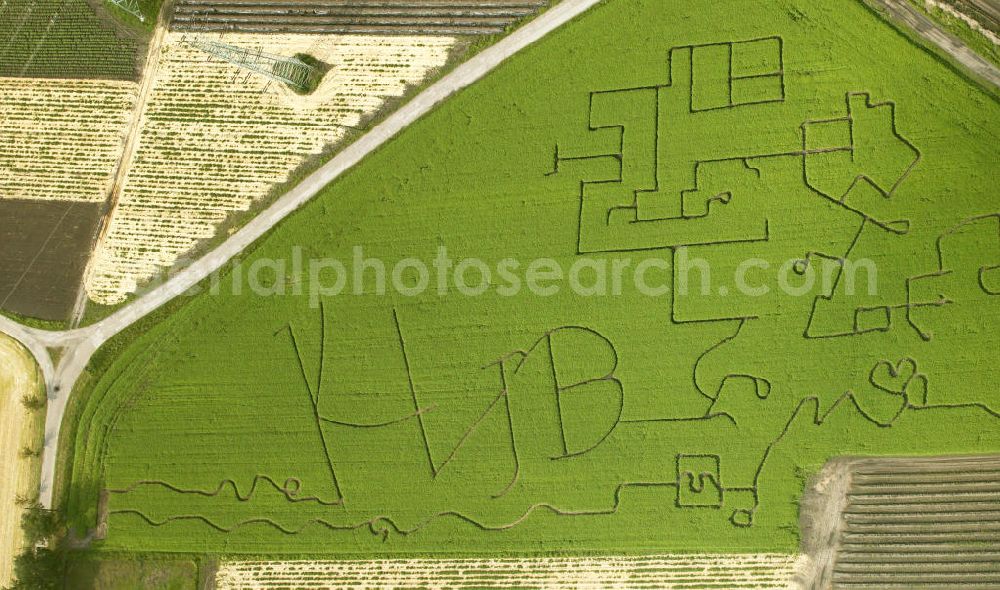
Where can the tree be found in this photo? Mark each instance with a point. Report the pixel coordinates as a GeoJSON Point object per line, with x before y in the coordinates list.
{"type": "Point", "coordinates": [33, 403]}
{"type": "Point", "coordinates": [24, 501]}
{"type": "Point", "coordinates": [39, 568]}
{"type": "Point", "coordinates": [39, 524]}
{"type": "Point", "coordinates": [29, 453]}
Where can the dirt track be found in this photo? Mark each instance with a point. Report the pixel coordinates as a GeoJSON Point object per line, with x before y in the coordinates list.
{"type": "Point", "coordinates": [903, 11]}
{"type": "Point", "coordinates": [146, 79]}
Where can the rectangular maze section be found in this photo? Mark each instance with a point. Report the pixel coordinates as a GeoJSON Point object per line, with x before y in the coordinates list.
{"type": "Point", "coordinates": [369, 17]}
{"type": "Point", "coordinates": [726, 75]}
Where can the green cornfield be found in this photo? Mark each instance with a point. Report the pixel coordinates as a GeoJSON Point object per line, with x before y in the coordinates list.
{"type": "Point", "coordinates": [801, 207]}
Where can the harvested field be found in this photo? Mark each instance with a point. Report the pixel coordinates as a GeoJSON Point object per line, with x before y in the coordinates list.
{"type": "Point", "coordinates": [366, 17]}
{"type": "Point", "coordinates": [60, 140]}
{"type": "Point", "coordinates": [657, 572]}
{"type": "Point", "coordinates": [214, 139]}
{"type": "Point", "coordinates": [46, 245]}
{"type": "Point", "coordinates": [62, 39]}
{"type": "Point", "coordinates": [18, 378]}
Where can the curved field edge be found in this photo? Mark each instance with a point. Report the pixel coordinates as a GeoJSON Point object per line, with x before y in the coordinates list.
{"type": "Point", "coordinates": [121, 369]}
{"type": "Point", "coordinates": [88, 395]}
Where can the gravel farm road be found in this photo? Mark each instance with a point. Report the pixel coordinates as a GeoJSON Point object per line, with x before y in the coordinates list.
{"type": "Point", "coordinates": [909, 15]}
{"type": "Point", "coordinates": [80, 344]}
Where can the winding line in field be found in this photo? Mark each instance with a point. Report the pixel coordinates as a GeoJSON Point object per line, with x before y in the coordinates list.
{"type": "Point", "coordinates": [290, 489]}
{"type": "Point", "coordinates": [384, 526]}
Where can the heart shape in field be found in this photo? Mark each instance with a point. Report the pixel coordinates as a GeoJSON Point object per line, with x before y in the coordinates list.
{"type": "Point", "coordinates": [989, 279]}
{"type": "Point", "coordinates": [893, 378]}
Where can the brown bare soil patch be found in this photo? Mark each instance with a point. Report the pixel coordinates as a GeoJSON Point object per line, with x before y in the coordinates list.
{"type": "Point", "coordinates": [44, 255]}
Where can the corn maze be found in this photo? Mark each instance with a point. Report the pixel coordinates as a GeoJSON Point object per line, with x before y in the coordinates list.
{"type": "Point", "coordinates": [819, 221]}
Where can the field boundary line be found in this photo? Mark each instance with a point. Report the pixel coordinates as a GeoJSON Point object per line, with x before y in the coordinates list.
{"type": "Point", "coordinates": [130, 142]}
{"type": "Point", "coordinates": [902, 13]}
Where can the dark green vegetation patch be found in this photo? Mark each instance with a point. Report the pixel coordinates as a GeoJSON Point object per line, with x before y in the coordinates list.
{"type": "Point", "coordinates": [318, 69]}
{"type": "Point", "coordinates": [110, 573]}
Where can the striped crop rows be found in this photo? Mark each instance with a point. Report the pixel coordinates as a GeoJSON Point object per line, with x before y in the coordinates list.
{"type": "Point", "coordinates": [922, 524]}
{"type": "Point", "coordinates": [61, 39]}
{"type": "Point", "coordinates": [371, 17]}
{"type": "Point", "coordinates": [734, 572]}
{"type": "Point", "coordinates": [60, 139]}
{"type": "Point", "coordinates": [214, 139]}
